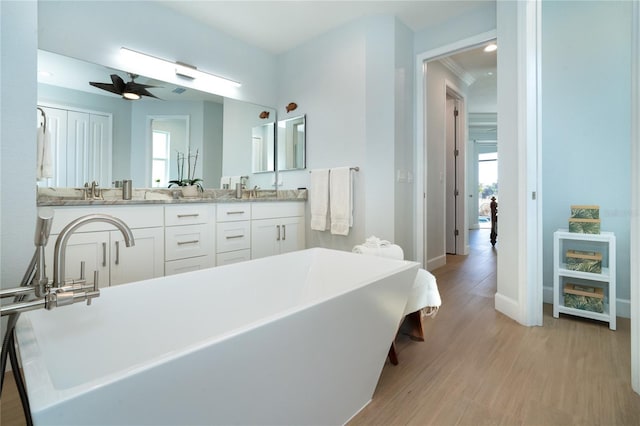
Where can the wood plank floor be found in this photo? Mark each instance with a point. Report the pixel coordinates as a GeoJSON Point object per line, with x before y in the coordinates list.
{"type": "Point", "coordinates": [479, 367]}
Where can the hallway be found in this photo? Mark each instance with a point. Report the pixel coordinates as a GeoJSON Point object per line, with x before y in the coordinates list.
{"type": "Point", "coordinates": [477, 366]}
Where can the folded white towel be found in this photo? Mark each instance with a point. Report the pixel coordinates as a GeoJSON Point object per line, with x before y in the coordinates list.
{"type": "Point", "coordinates": [376, 247]}
{"type": "Point", "coordinates": [341, 200]}
{"type": "Point", "coordinates": [44, 154]}
{"type": "Point", "coordinates": [225, 180]}
{"type": "Point", "coordinates": [424, 294]}
{"type": "Point", "coordinates": [319, 199]}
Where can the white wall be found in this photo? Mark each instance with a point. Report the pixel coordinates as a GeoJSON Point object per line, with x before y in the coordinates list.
{"type": "Point", "coordinates": [475, 22]}
{"type": "Point", "coordinates": [94, 31]}
{"type": "Point", "coordinates": [354, 84]}
{"type": "Point", "coordinates": [437, 78]}
{"type": "Point", "coordinates": [18, 44]}
{"type": "Point", "coordinates": [326, 77]}
{"type": "Point", "coordinates": [238, 121]}
{"type": "Point", "coordinates": [586, 86]}
{"type": "Point", "coordinates": [404, 141]}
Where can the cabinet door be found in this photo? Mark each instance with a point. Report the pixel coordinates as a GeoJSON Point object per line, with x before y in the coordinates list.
{"type": "Point", "coordinates": [264, 238]}
{"type": "Point", "coordinates": [291, 234]}
{"type": "Point", "coordinates": [92, 248]}
{"type": "Point", "coordinates": [142, 261]}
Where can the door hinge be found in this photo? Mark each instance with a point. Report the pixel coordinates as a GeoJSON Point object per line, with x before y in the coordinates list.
{"type": "Point", "coordinates": [455, 112]}
{"type": "Point", "coordinates": [456, 232]}
{"type": "Point", "coordinates": [456, 192]}
{"type": "Point", "coordinates": [456, 152]}
{"type": "Point", "coordinates": [533, 195]}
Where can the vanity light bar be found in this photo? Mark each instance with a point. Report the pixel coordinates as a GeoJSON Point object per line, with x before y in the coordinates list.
{"type": "Point", "coordinates": [175, 68]}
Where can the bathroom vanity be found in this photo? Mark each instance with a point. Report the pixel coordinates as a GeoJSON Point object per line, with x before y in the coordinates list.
{"type": "Point", "coordinates": [175, 235]}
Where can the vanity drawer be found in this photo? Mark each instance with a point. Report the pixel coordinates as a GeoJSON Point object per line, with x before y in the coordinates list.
{"type": "Point", "coordinates": [186, 241]}
{"type": "Point", "coordinates": [134, 217]}
{"type": "Point", "coordinates": [233, 212]}
{"type": "Point", "coordinates": [232, 236]}
{"type": "Point", "coordinates": [233, 257]}
{"type": "Point", "coordinates": [188, 214]}
{"type": "Point", "coordinates": [271, 210]}
{"type": "Point", "coordinates": [187, 265]}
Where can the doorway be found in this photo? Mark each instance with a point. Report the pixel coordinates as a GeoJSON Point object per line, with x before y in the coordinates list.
{"type": "Point", "coordinates": [448, 165]}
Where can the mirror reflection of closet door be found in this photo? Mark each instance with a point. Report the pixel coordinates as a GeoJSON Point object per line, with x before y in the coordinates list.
{"type": "Point", "coordinates": [81, 147]}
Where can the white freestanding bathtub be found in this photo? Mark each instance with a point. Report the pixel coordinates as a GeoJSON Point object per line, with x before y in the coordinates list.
{"type": "Point", "coordinates": [294, 339]}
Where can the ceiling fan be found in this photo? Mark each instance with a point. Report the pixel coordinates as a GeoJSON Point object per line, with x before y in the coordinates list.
{"type": "Point", "coordinates": [130, 90]}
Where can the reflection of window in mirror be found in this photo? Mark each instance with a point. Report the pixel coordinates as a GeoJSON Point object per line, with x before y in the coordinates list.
{"type": "Point", "coordinates": [169, 136]}
{"type": "Point", "coordinates": [160, 165]}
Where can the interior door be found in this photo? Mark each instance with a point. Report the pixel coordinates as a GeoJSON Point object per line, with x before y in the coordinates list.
{"type": "Point", "coordinates": [452, 229]}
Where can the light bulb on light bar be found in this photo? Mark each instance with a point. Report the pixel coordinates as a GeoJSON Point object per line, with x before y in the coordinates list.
{"type": "Point", "coordinates": [170, 69]}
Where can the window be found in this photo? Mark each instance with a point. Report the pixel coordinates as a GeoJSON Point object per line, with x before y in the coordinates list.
{"type": "Point", "coordinates": [160, 161]}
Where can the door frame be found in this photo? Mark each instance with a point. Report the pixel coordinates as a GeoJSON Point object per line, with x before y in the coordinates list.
{"type": "Point", "coordinates": [635, 199]}
{"type": "Point", "coordinates": [420, 219]}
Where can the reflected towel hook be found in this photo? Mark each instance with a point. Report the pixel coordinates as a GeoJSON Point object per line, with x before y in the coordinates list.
{"type": "Point", "coordinates": [44, 118]}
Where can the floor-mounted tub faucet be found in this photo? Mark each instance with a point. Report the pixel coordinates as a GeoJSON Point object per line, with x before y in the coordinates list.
{"type": "Point", "coordinates": [60, 291]}
{"type": "Point", "coordinates": [59, 253]}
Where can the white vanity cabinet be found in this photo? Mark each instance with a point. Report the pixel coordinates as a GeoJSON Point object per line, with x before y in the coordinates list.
{"type": "Point", "coordinates": [277, 227]}
{"type": "Point", "coordinates": [189, 236]}
{"type": "Point", "coordinates": [103, 249]}
{"type": "Point", "coordinates": [233, 233]}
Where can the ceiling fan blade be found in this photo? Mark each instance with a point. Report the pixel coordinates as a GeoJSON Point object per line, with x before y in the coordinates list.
{"type": "Point", "coordinates": [106, 86]}
{"type": "Point", "coordinates": [145, 92]}
{"type": "Point", "coordinates": [118, 83]}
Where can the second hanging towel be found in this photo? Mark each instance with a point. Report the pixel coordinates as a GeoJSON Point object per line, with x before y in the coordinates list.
{"type": "Point", "coordinates": [341, 200]}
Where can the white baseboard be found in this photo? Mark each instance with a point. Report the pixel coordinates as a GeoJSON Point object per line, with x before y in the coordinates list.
{"type": "Point", "coordinates": [623, 306]}
{"type": "Point", "coordinates": [507, 306]}
{"type": "Point", "coordinates": [436, 262]}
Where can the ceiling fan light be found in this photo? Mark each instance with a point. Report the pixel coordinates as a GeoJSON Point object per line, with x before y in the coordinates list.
{"type": "Point", "coordinates": [131, 96]}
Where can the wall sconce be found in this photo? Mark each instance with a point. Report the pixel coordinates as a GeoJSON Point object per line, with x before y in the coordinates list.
{"type": "Point", "coordinates": [157, 66]}
{"type": "Point", "coordinates": [291, 107]}
{"type": "Point", "coordinates": [264, 115]}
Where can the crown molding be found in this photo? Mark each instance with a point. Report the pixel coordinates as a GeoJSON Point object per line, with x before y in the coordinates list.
{"type": "Point", "coordinates": [455, 68]}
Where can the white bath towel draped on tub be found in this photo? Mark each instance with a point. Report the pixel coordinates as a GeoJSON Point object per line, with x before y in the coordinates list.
{"type": "Point", "coordinates": [424, 293]}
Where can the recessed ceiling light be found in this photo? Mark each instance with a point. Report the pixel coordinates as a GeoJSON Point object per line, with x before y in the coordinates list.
{"type": "Point", "coordinates": [491, 47]}
{"type": "Point", "coordinates": [44, 73]}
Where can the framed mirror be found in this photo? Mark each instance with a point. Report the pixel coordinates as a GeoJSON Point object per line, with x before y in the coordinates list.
{"type": "Point", "coordinates": [292, 143]}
